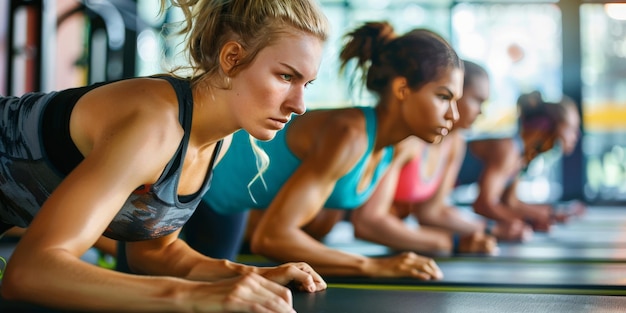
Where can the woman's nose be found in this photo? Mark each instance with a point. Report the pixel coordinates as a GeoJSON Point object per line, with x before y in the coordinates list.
{"type": "Point", "coordinates": [453, 112]}
{"type": "Point", "coordinates": [296, 103]}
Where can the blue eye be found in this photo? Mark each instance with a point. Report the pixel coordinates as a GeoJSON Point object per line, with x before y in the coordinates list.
{"type": "Point", "coordinates": [309, 83]}
{"type": "Point", "coordinates": [286, 77]}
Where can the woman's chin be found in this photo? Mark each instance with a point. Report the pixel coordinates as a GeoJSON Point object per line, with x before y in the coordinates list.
{"type": "Point", "coordinates": [265, 135]}
{"type": "Point", "coordinates": [436, 139]}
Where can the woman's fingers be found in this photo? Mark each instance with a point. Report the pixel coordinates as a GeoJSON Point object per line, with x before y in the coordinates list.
{"type": "Point", "coordinates": [310, 280]}
{"type": "Point", "coordinates": [253, 293]}
{"type": "Point", "coordinates": [432, 269]}
{"type": "Point", "coordinates": [300, 273]}
{"type": "Point", "coordinates": [479, 243]}
{"type": "Point", "coordinates": [422, 267]}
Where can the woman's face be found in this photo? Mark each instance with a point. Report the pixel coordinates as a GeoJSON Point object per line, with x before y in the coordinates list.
{"type": "Point", "coordinates": [569, 131]}
{"type": "Point", "coordinates": [431, 110]}
{"type": "Point", "coordinates": [271, 88]}
{"type": "Point", "coordinates": [474, 95]}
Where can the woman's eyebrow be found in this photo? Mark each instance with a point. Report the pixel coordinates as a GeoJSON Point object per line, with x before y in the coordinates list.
{"type": "Point", "coordinates": [446, 89]}
{"type": "Point", "coordinates": [295, 72]}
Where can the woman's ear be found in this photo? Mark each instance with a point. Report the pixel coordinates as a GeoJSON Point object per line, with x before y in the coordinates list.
{"type": "Point", "coordinates": [399, 87]}
{"type": "Point", "coordinates": [230, 55]}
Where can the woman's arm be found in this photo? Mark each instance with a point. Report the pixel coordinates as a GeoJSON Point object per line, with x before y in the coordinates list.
{"type": "Point", "coordinates": [539, 215]}
{"type": "Point", "coordinates": [436, 211]}
{"type": "Point", "coordinates": [279, 234]}
{"type": "Point", "coordinates": [499, 168]}
{"type": "Point", "coordinates": [501, 165]}
{"type": "Point", "coordinates": [375, 222]}
{"type": "Point", "coordinates": [171, 256]}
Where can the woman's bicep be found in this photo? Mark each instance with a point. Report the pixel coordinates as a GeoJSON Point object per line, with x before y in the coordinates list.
{"type": "Point", "coordinates": [381, 201]}
{"type": "Point", "coordinates": [492, 183]}
{"type": "Point", "coordinates": [298, 201]}
{"type": "Point", "coordinates": [311, 184]}
{"type": "Point", "coordinates": [452, 169]}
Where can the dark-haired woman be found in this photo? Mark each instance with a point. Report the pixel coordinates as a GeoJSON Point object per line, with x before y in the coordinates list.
{"type": "Point", "coordinates": [422, 187]}
{"type": "Point", "coordinates": [335, 158]}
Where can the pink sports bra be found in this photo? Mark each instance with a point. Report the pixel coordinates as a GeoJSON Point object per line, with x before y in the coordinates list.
{"type": "Point", "coordinates": [418, 181]}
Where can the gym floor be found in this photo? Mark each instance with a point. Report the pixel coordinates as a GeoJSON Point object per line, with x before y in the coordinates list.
{"type": "Point", "coordinates": [579, 266]}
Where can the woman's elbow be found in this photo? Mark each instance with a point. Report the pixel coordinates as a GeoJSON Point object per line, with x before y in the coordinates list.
{"type": "Point", "coordinates": [363, 228]}
{"type": "Point", "coordinates": [262, 244]}
{"type": "Point", "coordinates": [482, 205]}
{"type": "Point", "coordinates": [20, 283]}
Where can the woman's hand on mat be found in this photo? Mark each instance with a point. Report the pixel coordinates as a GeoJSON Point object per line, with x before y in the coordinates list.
{"type": "Point", "coordinates": [300, 274]}
{"type": "Point", "coordinates": [478, 242]}
{"type": "Point", "coordinates": [538, 216]}
{"type": "Point", "coordinates": [249, 292]}
{"type": "Point", "coordinates": [513, 231]}
{"type": "Point", "coordinates": [406, 264]}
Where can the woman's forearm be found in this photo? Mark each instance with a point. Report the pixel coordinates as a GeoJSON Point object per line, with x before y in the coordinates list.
{"type": "Point", "coordinates": [177, 259]}
{"type": "Point", "coordinates": [301, 247]}
{"type": "Point", "coordinates": [396, 234]}
{"type": "Point", "coordinates": [449, 218]}
{"type": "Point", "coordinates": [61, 280]}
{"type": "Point", "coordinates": [495, 210]}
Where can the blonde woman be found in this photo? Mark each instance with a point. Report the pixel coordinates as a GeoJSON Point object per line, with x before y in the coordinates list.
{"type": "Point", "coordinates": [131, 159]}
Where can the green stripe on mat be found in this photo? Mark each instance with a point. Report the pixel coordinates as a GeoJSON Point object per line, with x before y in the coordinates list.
{"type": "Point", "coordinates": [258, 259]}
{"type": "Point", "coordinates": [521, 290]}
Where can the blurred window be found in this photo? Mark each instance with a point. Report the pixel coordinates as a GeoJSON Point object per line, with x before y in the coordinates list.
{"type": "Point", "coordinates": [519, 45]}
{"type": "Point", "coordinates": [603, 43]}
{"type": "Point", "coordinates": [334, 90]}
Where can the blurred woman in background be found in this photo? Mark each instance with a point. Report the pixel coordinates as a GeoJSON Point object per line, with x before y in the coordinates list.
{"type": "Point", "coordinates": [497, 164]}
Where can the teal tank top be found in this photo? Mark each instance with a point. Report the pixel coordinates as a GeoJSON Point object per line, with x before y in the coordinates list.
{"type": "Point", "coordinates": [229, 191]}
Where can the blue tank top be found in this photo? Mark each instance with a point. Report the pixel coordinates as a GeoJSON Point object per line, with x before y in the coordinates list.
{"type": "Point", "coordinates": [229, 190]}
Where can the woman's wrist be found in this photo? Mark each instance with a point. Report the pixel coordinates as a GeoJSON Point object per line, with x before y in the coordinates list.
{"type": "Point", "coordinates": [240, 269]}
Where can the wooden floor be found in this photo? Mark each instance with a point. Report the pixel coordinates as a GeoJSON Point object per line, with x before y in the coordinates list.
{"type": "Point", "coordinates": [577, 267]}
